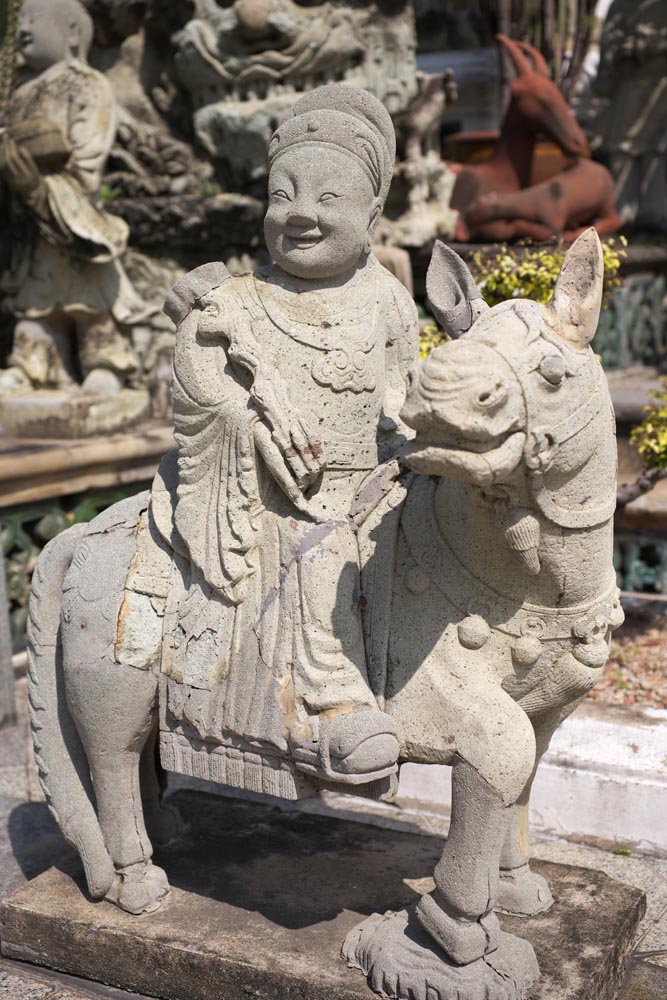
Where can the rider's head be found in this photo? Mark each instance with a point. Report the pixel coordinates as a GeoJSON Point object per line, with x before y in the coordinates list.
{"type": "Point", "coordinates": [330, 169]}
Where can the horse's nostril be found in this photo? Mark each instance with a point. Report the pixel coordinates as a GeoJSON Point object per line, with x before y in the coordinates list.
{"type": "Point", "coordinates": [493, 396]}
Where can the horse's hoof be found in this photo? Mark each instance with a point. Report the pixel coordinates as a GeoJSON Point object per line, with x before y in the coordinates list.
{"type": "Point", "coordinates": [523, 892]}
{"type": "Point", "coordinates": [402, 962]}
{"type": "Point", "coordinates": [164, 824]}
{"type": "Point", "coordinates": [139, 888]}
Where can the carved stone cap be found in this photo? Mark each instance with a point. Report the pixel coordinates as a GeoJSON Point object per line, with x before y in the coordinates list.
{"type": "Point", "coordinates": [349, 118]}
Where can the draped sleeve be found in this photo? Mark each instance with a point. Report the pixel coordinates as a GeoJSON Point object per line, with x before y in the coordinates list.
{"type": "Point", "coordinates": [218, 509]}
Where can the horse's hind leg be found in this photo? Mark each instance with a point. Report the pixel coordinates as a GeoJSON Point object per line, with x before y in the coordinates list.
{"type": "Point", "coordinates": [114, 705]}
{"type": "Point", "coordinates": [114, 737]}
{"type": "Point", "coordinates": [163, 820]}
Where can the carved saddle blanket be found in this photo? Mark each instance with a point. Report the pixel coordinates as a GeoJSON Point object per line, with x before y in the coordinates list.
{"type": "Point", "coordinates": [226, 686]}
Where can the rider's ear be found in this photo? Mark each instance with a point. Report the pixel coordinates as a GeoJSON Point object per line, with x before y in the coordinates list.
{"type": "Point", "coordinates": [577, 297]}
{"type": "Point", "coordinates": [454, 297]}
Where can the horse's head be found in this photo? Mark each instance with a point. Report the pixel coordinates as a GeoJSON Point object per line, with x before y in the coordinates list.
{"type": "Point", "coordinates": [521, 393]}
{"type": "Point", "coordinates": [536, 102]}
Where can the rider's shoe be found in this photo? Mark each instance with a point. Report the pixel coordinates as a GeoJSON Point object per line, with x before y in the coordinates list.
{"type": "Point", "coordinates": [353, 748]}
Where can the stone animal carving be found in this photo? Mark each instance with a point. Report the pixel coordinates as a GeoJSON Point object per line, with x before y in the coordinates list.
{"type": "Point", "coordinates": [420, 126]}
{"type": "Point", "coordinates": [461, 598]}
{"type": "Point", "coordinates": [496, 198]}
{"type": "Point", "coordinates": [245, 64]}
{"type": "Point", "coordinates": [65, 282]}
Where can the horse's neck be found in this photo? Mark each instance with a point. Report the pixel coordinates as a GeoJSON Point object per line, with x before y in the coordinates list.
{"type": "Point", "coordinates": [574, 564]}
{"type": "Point", "coordinates": [515, 147]}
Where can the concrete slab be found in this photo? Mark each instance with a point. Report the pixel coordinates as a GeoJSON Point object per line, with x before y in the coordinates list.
{"type": "Point", "coordinates": [262, 900]}
{"type": "Point", "coordinates": [644, 981]}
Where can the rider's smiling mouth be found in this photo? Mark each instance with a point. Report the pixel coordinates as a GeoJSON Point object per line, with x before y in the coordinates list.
{"type": "Point", "coordinates": [303, 242]}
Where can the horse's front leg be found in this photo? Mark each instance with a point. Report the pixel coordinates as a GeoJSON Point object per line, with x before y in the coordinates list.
{"type": "Point", "coordinates": [465, 711]}
{"type": "Point", "coordinates": [459, 913]}
{"type": "Point", "coordinates": [521, 890]}
{"type": "Point", "coordinates": [492, 767]}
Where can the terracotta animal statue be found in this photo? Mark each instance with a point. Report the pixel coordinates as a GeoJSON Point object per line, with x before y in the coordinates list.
{"type": "Point", "coordinates": [496, 199]}
{"type": "Point", "coordinates": [489, 600]}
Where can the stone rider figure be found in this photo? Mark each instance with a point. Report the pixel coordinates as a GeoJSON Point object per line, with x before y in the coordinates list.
{"type": "Point", "coordinates": [287, 388]}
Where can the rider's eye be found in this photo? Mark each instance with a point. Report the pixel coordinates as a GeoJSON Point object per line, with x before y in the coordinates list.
{"type": "Point", "coordinates": [328, 196]}
{"type": "Point", "coordinates": [281, 193]}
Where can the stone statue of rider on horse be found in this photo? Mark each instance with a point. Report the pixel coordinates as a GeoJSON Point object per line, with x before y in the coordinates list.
{"type": "Point", "coordinates": [351, 560]}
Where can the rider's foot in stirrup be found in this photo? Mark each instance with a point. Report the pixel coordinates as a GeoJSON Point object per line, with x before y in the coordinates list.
{"type": "Point", "coordinates": [351, 747]}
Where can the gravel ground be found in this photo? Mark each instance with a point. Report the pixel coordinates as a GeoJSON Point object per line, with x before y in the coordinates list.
{"type": "Point", "coordinates": [636, 673]}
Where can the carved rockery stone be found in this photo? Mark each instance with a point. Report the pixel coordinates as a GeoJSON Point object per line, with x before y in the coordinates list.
{"type": "Point", "coordinates": [351, 560]}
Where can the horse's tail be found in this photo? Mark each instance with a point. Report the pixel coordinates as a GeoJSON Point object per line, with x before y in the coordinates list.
{"type": "Point", "coordinates": [59, 754]}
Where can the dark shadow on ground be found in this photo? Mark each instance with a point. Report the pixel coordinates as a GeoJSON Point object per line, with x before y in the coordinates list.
{"type": "Point", "coordinates": [294, 868]}
{"type": "Point", "coordinates": [36, 841]}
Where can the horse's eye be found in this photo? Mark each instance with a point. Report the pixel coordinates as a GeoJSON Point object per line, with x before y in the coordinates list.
{"type": "Point", "coordinates": [552, 368]}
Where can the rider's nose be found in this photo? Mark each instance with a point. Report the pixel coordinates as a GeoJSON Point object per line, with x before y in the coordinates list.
{"type": "Point", "coordinates": [302, 216]}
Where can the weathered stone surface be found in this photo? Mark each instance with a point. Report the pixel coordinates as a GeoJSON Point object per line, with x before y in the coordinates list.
{"type": "Point", "coordinates": [261, 901]}
{"type": "Point", "coordinates": [58, 413]}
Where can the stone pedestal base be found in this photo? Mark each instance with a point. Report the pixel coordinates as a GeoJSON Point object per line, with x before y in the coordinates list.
{"type": "Point", "coordinates": [61, 414]}
{"type": "Point", "coordinates": [262, 900]}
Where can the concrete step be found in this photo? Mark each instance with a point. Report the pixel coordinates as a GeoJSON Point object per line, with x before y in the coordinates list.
{"type": "Point", "coordinates": [603, 780]}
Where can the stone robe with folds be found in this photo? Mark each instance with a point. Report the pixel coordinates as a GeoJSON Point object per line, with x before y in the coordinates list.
{"type": "Point", "coordinates": [263, 629]}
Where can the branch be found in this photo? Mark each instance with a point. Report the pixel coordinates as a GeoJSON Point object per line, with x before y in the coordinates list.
{"type": "Point", "coordinates": [627, 492]}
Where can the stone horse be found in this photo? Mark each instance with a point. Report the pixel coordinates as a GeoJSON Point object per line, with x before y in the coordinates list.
{"type": "Point", "coordinates": [493, 539]}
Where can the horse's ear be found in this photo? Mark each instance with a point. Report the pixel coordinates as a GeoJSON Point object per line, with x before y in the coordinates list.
{"type": "Point", "coordinates": [577, 297]}
{"type": "Point", "coordinates": [454, 297]}
{"type": "Point", "coordinates": [521, 64]}
{"type": "Point", "coordinates": [540, 65]}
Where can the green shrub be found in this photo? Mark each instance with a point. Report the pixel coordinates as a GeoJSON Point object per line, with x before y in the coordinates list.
{"type": "Point", "coordinates": [650, 436]}
{"type": "Point", "coordinates": [524, 272]}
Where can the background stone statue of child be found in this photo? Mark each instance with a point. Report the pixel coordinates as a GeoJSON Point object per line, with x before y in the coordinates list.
{"type": "Point", "coordinates": [65, 283]}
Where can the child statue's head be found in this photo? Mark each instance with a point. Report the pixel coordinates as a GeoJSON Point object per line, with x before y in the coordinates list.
{"type": "Point", "coordinates": [53, 31]}
{"type": "Point", "coordinates": [330, 164]}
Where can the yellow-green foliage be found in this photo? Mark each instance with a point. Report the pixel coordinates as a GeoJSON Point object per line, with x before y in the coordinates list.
{"type": "Point", "coordinates": [650, 436]}
{"type": "Point", "coordinates": [430, 337]}
{"type": "Point", "coordinates": [530, 273]}
{"type": "Point", "coordinates": [524, 272]}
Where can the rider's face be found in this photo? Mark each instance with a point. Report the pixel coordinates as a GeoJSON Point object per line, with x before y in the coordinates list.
{"type": "Point", "coordinates": [321, 211]}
